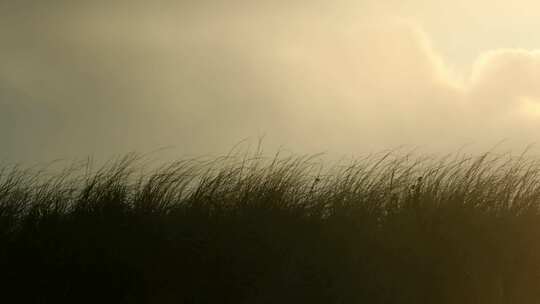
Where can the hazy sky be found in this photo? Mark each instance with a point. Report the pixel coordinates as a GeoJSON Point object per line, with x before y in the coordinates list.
{"type": "Point", "coordinates": [108, 77]}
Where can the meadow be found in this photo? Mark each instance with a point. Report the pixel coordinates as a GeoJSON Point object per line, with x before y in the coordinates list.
{"type": "Point", "coordinates": [244, 228]}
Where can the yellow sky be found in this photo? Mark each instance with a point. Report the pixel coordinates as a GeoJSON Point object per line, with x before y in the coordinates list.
{"type": "Point", "coordinates": [463, 29]}
{"type": "Point", "coordinates": [339, 76]}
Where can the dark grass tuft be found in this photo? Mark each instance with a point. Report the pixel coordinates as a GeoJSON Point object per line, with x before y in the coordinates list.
{"type": "Point", "coordinates": [385, 229]}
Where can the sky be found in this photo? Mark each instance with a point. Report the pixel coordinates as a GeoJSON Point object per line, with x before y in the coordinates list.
{"type": "Point", "coordinates": [102, 78]}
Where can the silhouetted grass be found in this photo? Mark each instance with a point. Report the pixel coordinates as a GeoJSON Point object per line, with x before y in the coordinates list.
{"type": "Point", "coordinates": [245, 229]}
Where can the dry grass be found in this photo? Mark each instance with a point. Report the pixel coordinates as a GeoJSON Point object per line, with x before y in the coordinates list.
{"type": "Point", "coordinates": [389, 228]}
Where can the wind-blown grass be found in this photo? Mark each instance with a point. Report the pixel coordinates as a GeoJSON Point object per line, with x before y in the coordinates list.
{"type": "Point", "coordinates": [246, 229]}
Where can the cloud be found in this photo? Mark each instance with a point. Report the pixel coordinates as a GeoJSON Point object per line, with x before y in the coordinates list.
{"type": "Point", "coordinates": [103, 80]}
{"type": "Point", "coordinates": [506, 75]}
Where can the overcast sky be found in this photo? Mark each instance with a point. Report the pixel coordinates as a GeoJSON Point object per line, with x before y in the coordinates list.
{"type": "Point", "coordinates": [108, 77]}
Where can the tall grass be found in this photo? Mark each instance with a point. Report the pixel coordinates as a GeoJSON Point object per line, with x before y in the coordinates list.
{"type": "Point", "coordinates": [389, 228]}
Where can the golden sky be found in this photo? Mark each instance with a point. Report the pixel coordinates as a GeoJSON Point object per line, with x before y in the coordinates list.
{"type": "Point", "coordinates": [345, 77]}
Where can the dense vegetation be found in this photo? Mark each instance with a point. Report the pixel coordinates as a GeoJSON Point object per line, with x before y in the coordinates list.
{"type": "Point", "coordinates": [384, 229]}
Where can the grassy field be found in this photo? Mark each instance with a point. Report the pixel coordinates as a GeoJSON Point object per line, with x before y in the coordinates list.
{"type": "Point", "coordinates": [388, 228]}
